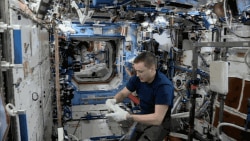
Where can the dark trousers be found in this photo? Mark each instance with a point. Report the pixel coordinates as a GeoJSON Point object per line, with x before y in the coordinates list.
{"type": "Point", "coordinates": [141, 132]}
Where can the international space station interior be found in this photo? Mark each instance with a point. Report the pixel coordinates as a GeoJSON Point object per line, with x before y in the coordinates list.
{"type": "Point", "coordinates": [61, 60]}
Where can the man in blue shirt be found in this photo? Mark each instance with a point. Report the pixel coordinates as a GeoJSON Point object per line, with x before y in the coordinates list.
{"type": "Point", "coordinates": [156, 94]}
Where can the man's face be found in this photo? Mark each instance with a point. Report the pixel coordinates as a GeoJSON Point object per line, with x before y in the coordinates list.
{"type": "Point", "coordinates": [143, 73]}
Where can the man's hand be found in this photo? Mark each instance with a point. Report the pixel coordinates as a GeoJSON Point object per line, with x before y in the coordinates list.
{"type": "Point", "coordinates": [110, 103]}
{"type": "Point", "coordinates": [119, 115]}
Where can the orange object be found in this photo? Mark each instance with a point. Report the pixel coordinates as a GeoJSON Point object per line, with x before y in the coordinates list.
{"type": "Point", "coordinates": [134, 99]}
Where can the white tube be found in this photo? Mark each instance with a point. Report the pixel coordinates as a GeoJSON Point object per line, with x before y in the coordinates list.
{"type": "Point", "coordinates": [180, 115]}
{"type": "Point", "coordinates": [176, 103]}
{"type": "Point", "coordinates": [229, 124]}
{"type": "Point", "coordinates": [178, 135]}
{"type": "Point", "coordinates": [225, 14]}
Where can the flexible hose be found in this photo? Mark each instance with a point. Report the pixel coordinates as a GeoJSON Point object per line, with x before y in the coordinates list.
{"type": "Point", "coordinates": [229, 124]}
{"type": "Point", "coordinates": [180, 115]}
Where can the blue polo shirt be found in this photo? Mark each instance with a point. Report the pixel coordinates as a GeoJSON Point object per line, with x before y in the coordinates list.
{"type": "Point", "coordinates": [160, 91]}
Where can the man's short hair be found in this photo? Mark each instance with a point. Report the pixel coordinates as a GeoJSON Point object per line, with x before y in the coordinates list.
{"type": "Point", "coordinates": [148, 58]}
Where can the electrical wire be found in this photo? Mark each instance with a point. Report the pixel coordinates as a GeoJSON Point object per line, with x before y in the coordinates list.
{"type": "Point", "coordinates": [228, 124]}
{"type": "Point", "coordinates": [74, 137]}
{"type": "Point", "coordinates": [245, 58]}
{"type": "Point", "coordinates": [229, 24]}
{"type": "Point", "coordinates": [238, 35]}
{"type": "Point", "coordinates": [78, 123]}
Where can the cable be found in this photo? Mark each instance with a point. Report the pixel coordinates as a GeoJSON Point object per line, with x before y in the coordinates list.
{"type": "Point", "coordinates": [179, 81]}
{"type": "Point", "coordinates": [245, 58]}
{"type": "Point", "coordinates": [229, 24]}
{"type": "Point", "coordinates": [229, 124]}
{"type": "Point", "coordinates": [238, 35]}
{"type": "Point", "coordinates": [73, 136]}
{"type": "Point", "coordinates": [77, 126]}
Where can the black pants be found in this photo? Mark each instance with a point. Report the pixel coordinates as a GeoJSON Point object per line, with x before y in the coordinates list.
{"type": "Point", "coordinates": [141, 132]}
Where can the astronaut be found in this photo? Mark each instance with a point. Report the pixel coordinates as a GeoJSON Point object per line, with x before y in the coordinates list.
{"type": "Point", "coordinates": [155, 92]}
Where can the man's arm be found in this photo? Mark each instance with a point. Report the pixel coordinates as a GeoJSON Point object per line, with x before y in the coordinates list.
{"type": "Point", "coordinates": [155, 118]}
{"type": "Point", "coordinates": [110, 103]}
{"type": "Point", "coordinates": [120, 96]}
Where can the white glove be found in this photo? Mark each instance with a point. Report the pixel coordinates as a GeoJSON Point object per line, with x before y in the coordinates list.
{"type": "Point", "coordinates": [110, 103]}
{"type": "Point", "coordinates": [118, 116]}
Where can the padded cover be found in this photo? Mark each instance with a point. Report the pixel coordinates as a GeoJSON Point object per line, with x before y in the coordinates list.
{"type": "Point", "coordinates": [219, 77]}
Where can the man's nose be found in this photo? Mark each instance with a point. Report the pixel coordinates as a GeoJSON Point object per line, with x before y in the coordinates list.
{"type": "Point", "coordinates": [137, 74]}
